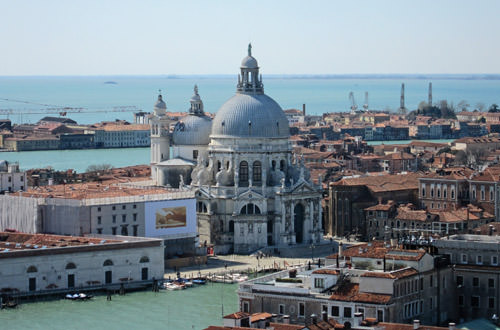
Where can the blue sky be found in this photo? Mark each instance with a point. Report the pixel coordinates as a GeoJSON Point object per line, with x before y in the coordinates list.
{"type": "Point", "coordinates": [210, 37]}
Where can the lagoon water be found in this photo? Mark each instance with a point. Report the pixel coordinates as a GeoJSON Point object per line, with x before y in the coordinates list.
{"type": "Point", "coordinates": [194, 308]}
{"type": "Point", "coordinates": [37, 94]}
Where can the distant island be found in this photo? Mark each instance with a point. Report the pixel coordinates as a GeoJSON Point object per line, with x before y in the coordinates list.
{"type": "Point", "coordinates": [111, 82]}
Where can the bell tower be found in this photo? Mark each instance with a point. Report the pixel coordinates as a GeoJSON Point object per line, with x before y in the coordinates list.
{"type": "Point", "coordinates": [160, 138]}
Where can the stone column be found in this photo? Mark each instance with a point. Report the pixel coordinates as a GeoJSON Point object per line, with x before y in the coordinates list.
{"type": "Point", "coordinates": [312, 228]}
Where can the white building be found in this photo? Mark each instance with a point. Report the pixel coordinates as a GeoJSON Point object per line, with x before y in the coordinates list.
{"type": "Point", "coordinates": [122, 136]}
{"type": "Point", "coordinates": [76, 262]}
{"type": "Point", "coordinates": [110, 209]}
{"type": "Point", "coordinates": [11, 178]}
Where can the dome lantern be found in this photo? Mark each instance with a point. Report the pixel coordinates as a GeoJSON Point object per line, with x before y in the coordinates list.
{"type": "Point", "coordinates": [249, 81]}
{"type": "Point", "coordinates": [196, 103]}
{"type": "Point", "coordinates": [160, 108]}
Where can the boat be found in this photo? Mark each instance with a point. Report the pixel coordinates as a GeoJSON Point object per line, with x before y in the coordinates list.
{"type": "Point", "coordinates": [171, 286]}
{"type": "Point", "coordinates": [199, 281]}
{"type": "Point", "coordinates": [222, 279]}
{"type": "Point", "coordinates": [78, 296]}
{"type": "Point", "coordinates": [188, 283]}
{"type": "Point", "coordinates": [238, 278]}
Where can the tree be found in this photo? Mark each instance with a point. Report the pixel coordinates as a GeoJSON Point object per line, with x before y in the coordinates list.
{"type": "Point", "coordinates": [99, 167]}
{"type": "Point", "coordinates": [480, 106]}
{"type": "Point", "coordinates": [463, 105]}
{"type": "Point", "coordinates": [493, 108]}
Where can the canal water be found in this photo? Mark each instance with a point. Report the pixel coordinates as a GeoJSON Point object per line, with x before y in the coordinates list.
{"type": "Point", "coordinates": [194, 308]}
{"type": "Point", "coordinates": [80, 160]}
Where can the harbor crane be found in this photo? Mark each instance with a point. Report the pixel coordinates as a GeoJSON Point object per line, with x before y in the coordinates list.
{"type": "Point", "coordinates": [365, 105]}
{"type": "Point", "coordinates": [354, 107]}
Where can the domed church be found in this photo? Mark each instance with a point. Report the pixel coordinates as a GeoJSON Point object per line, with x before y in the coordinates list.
{"type": "Point", "coordinates": [251, 193]}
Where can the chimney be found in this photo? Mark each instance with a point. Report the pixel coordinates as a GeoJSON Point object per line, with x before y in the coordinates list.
{"type": "Point", "coordinates": [491, 231]}
{"type": "Point", "coordinates": [274, 318]}
{"type": "Point", "coordinates": [416, 324]}
{"type": "Point", "coordinates": [286, 319]}
{"type": "Point", "coordinates": [451, 326]}
{"type": "Point", "coordinates": [340, 249]}
{"type": "Point", "coordinates": [358, 317]}
{"type": "Point", "coordinates": [324, 316]}
{"type": "Point", "coordinates": [304, 109]}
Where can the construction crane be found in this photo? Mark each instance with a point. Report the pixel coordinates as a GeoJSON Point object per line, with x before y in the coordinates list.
{"type": "Point", "coordinates": [354, 107]}
{"type": "Point", "coordinates": [365, 105]}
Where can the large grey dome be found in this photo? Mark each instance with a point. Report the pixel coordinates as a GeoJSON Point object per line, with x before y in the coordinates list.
{"type": "Point", "coordinates": [192, 130]}
{"type": "Point", "coordinates": [250, 115]}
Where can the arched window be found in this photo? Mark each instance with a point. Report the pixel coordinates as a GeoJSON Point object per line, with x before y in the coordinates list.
{"type": "Point", "coordinates": [243, 173]}
{"type": "Point", "coordinates": [219, 165]}
{"type": "Point", "coordinates": [108, 262]}
{"type": "Point", "coordinates": [273, 165]}
{"type": "Point", "coordinates": [144, 259]}
{"type": "Point", "coordinates": [445, 192]}
{"type": "Point", "coordinates": [257, 172]}
{"type": "Point", "coordinates": [31, 269]}
{"type": "Point", "coordinates": [282, 165]}
{"type": "Point", "coordinates": [70, 265]}
{"type": "Point", "coordinates": [231, 226]}
{"type": "Point", "coordinates": [250, 208]}
{"type": "Point", "coordinates": [201, 207]}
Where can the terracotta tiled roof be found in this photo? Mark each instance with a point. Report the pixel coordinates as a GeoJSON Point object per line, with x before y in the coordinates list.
{"type": "Point", "coordinates": [397, 274]}
{"type": "Point", "coordinates": [407, 213]}
{"type": "Point", "coordinates": [282, 326]}
{"type": "Point", "coordinates": [377, 250]}
{"type": "Point", "coordinates": [237, 316]}
{"type": "Point", "coordinates": [326, 271]}
{"type": "Point", "coordinates": [390, 182]}
{"type": "Point", "coordinates": [381, 207]}
{"type": "Point", "coordinates": [259, 316]}
{"type": "Point", "coordinates": [350, 292]}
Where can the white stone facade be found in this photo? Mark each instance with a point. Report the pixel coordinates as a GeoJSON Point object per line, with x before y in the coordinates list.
{"type": "Point", "coordinates": [82, 266]}
{"type": "Point", "coordinates": [11, 178]}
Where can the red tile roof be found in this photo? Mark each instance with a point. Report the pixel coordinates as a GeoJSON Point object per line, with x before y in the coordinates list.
{"type": "Point", "coordinates": [350, 292]}
{"type": "Point", "coordinates": [397, 274]}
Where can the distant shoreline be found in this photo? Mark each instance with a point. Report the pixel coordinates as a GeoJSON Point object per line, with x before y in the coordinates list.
{"type": "Point", "coordinates": [415, 76]}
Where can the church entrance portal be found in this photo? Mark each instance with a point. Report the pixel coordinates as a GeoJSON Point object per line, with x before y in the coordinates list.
{"type": "Point", "coordinates": [298, 222]}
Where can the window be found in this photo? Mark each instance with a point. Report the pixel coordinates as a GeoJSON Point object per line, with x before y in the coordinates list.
{"type": "Point", "coordinates": [474, 301]}
{"type": "Point", "coordinates": [464, 258]}
{"type": "Point", "coordinates": [31, 269]}
{"type": "Point", "coordinates": [494, 260]}
{"type": "Point", "coordinates": [347, 312]}
{"type": "Point", "coordinates": [201, 207]}
{"type": "Point", "coordinates": [460, 300]}
{"type": "Point", "coordinates": [335, 311]}
{"type": "Point", "coordinates": [99, 220]}
{"type": "Point", "coordinates": [257, 172]}
{"type": "Point", "coordinates": [281, 309]}
{"type": "Point", "coordinates": [99, 209]}
{"type": "Point", "coordinates": [452, 193]}
{"type": "Point", "coordinates": [99, 230]}
{"type": "Point", "coordinates": [422, 283]}
{"type": "Point", "coordinates": [460, 280]}
{"type": "Point", "coordinates": [22, 178]}
{"type": "Point", "coordinates": [135, 229]}
{"type": "Point", "coordinates": [479, 260]}
{"type": "Point", "coordinates": [491, 283]}
{"type": "Point", "coordinates": [70, 265]}
{"type": "Point", "coordinates": [108, 262]}
{"type": "Point", "coordinates": [124, 217]}
{"type": "Point", "coordinates": [114, 218]}
{"type": "Point", "coordinates": [113, 208]}
{"type": "Point", "coordinates": [380, 315]}
{"type": "Point", "coordinates": [319, 283]}
{"type": "Point", "coordinates": [302, 309]}
{"type": "Point", "coordinates": [483, 197]}
{"type": "Point", "coordinates": [475, 281]}
{"type": "Point", "coordinates": [135, 206]}
{"type": "Point", "coordinates": [124, 207]}
{"type": "Point", "coordinates": [10, 179]}
{"type": "Point", "coordinates": [195, 154]}
{"type": "Point", "coordinates": [445, 194]}
{"type": "Point", "coordinates": [282, 165]}
{"type": "Point", "coordinates": [250, 228]}
{"type": "Point", "coordinates": [423, 190]}
{"type": "Point", "coordinates": [491, 302]}
{"type": "Point", "coordinates": [113, 230]}
{"type": "Point", "coordinates": [144, 259]}
{"type": "Point", "coordinates": [135, 216]}
{"type": "Point", "coordinates": [431, 303]}
{"type": "Point", "coordinates": [246, 307]}
{"type": "Point", "coordinates": [243, 172]}
{"type": "Point", "coordinates": [431, 279]}
{"type": "Point", "coordinates": [250, 208]}
{"type": "Point", "coordinates": [124, 230]}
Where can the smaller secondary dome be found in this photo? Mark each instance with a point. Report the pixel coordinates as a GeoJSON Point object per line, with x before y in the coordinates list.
{"type": "Point", "coordinates": [192, 130]}
{"type": "Point", "coordinates": [249, 62]}
{"type": "Point", "coordinates": [160, 104]}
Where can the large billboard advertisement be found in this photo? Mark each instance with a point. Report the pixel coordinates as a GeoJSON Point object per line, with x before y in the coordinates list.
{"type": "Point", "coordinates": [171, 217]}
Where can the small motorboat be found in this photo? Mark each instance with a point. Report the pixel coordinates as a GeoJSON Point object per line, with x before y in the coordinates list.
{"type": "Point", "coordinates": [171, 286]}
{"type": "Point", "coordinates": [199, 281]}
{"type": "Point", "coordinates": [78, 296]}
